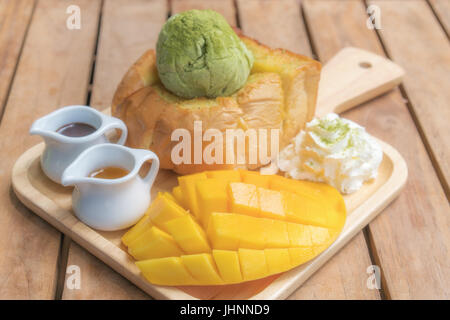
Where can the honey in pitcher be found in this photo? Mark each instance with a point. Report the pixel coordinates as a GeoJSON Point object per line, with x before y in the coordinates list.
{"type": "Point", "coordinates": [76, 129]}
{"type": "Point", "coordinates": [109, 173]}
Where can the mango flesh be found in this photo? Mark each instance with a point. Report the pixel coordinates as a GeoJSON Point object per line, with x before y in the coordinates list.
{"type": "Point", "coordinates": [231, 226]}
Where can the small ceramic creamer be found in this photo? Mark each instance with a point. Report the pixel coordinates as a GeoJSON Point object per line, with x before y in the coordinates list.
{"type": "Point", "coordinates": [60, 149]}
{"type": "Point", "coordinates": [111, 204]}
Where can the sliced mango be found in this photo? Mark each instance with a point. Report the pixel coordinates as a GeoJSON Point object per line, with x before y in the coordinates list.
{"type": "Point", "coordinates": [271, 204]}
{"type": "Point", "coordinates": [154, 243]}
{"type": "Point", "coordinates": [278, 260]}
{"type": "Point", "coordinates": [253, 264]}
{"type": "Point", "coordinates": [212, 197]}
{"type": "Point", "coordinates": [187, 184]}
{"type": "Point", "coordinates": [300, 255]}
{"type": "Point", "coordinates": [223, 231]}
{"type": "Point", "coordinates": [243, 199]}
{"type": "Point", "coordinates": [164, 209]}
{"type": "Point", "coordinates": [188, 234]}
{"type": "Point", "coordinates": [169, 271]}
{"type": "Point", "coordinates": [243, 226]}
{"type": "Point", "coordinates": [226, 175]}
{"type": "Point", "coordinates": [136, 230]}
{"type": "Point", "coordinates": [228, 265]}
{"type": "Point", "coordinates": [203, 268]}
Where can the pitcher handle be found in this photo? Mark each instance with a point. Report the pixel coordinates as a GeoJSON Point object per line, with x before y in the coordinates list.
{"type": "Point", "coordinates": [115, 123]}
{"type": "Point", "coordinates": [141, 157]}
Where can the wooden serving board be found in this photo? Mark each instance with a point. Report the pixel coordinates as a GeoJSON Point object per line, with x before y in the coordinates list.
{"type": "Point", "coordinates": [351, 77]}
{"type": "Point", "coordinates": [53, 203]}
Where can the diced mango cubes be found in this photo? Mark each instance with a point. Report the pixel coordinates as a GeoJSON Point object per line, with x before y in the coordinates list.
{"type": "Point", "coordinates": [244, 199]}
{"type": "Point", "coordinates": [154, 243]}
{"type": "Point", "coordinates": [229, 226]}
{"type": "Point", "coordinates": [188, 234]}
{"type": "Point", "coordinates": [211, 196]}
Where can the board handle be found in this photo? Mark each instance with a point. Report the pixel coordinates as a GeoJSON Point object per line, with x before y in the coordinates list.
{"type": "Point", "coordinates": [354, 76]}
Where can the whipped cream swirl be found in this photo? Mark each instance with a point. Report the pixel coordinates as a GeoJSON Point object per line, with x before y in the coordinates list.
{"type": "Point", "coordinates": [333, 150]}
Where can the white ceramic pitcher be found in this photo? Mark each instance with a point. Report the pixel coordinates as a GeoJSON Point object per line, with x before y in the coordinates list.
{"type": "Point", "coordinates": [111, 204]}
{"type": "Point", "coordinates": [61, 150]}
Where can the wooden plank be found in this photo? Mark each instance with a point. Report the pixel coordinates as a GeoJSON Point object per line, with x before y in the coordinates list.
{"type": "Point", "coordinates": [283, 27]}
{"type": "Point", "coordinates": [15, 17]}
{"type": "Point", "coordinates": [224, 7]}
{"type": "Point", "coordinates": [442, 10]}
{"type": "Point", "coordinates": [277, 24]}
{"type": "Point", "coordinates": [423, 49]}
{"type": "Point", "coordinates": [127, 30]}
{"type": "Point", "coordinates": [411, 237]}
{"type": "Point", "coordinates": [53, 71]}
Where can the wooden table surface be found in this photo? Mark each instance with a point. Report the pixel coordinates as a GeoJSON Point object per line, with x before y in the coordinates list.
{"type": "Point", "coordinates": [45, 65]}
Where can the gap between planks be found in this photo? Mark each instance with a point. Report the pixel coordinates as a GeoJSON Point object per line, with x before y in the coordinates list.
{"type": "Point", "coordinates": [63, 255]}
{"type": "Point", "coordinates": [431, 154]}
{"type": "Point", "coordinates": [13, 75]}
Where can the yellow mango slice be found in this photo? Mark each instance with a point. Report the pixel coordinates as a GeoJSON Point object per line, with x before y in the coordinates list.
{"type": "Point", "coordinates": [227, 263]}
{"type": "Point", "coordinates": [230, 231]}
{"type": "Point", "coordinates": [178, 195]}
{"type": "Point", "coordinates": [154, 243]}
{"type": "Point", "coordinates": [212, 197]}
{"type": "Point", "coordinates": [164, 209]}
{"type": "Point", "coordinates": [223, 231]}
{"type": "Point", "coordinates": [278, 260]}
{"type": "Point", "coordinates": [311, 190]}
{"type": "Point", "coordinates": [271, 204]}
{"type": "Point", "coordinates": [203, 268]}
{"type": "Point", "coordinates": [299, 235]}
{"type": "Point", "coordinates": [136, 230]}
{"type": "Point", "coordinates": [318, 192]}
{"type": "Point", "coordinates": [187, 184]}
{"type": "Point", "coordinates": [300, 255]}
{"type": "Point", "coordinates": [168, 271]}
{"type": "Point", "coordinates": [300, 210]}
{"type": "Point", "coordinates": [255, 178]}
{"type": "Point", "coordinates": [243, 226]}
{"type": "Point", "coordinates": [225, 175]}
{"type": "Point", "coordinates": [275, 233]}
{"type": "Point", "coordinates": [169, 196]}
{"type": "Point", "coordinates": [251, 232]}
{"type": "Point", "coordinates": [253, 264]}
{"type": "Point", "coordinates": [243, 199]}
{"type": "Point", "coordinates": [189, 236]}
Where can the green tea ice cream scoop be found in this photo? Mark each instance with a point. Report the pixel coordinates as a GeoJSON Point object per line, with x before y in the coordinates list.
{"type": "Point", "coordinates": [199, 55]}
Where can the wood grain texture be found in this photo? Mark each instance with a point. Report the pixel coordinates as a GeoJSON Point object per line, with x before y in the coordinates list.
{"type": "Point", "coordinates": [284, 28]}
{"type": "Point", "coordinates": [54, 202]}
{"type": "Point", "coordinates": [276, 23]}
{"type": "Point", "coordinates": [416, 41]}
{"type": "Point", "coordinates": [53, 71]}
{"type": "Point", "coordinates": [15, 17]}
{"type": "Point", "coordinates": [128, 29]}
{"type": "Point", "coordinates": [411, 237]}
{"type": "Point", "coordinates": [442, 10]}
{"type": "Point", "coordinates": [224, 7]}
